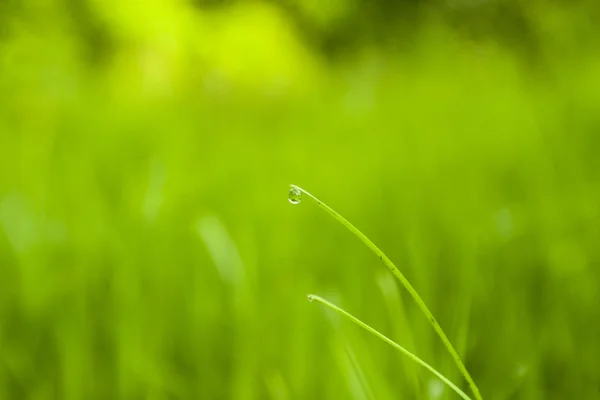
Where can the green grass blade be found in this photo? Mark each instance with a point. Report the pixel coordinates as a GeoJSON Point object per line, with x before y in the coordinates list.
{"type": "Point", "coordinates": [396, 272]}
{"type": "Point", "coordinates": [312, 297]}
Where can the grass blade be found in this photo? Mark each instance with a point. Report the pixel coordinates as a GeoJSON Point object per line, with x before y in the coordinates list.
{"type": "Point", "coordinates": [312, 297]}
{"type": "Point", "coordinates": [396, 272]}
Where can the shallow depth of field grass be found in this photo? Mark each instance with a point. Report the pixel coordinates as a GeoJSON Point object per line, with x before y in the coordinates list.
{"type": "Point", "coordinates": [148, 250]}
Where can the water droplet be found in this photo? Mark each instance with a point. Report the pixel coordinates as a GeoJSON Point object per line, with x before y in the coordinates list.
{"type": "Point", "coordinates": [295, 195]}
{"type": "Point", "coordinates": [310, 297]}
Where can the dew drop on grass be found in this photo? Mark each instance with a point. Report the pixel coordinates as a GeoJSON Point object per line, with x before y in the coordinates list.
{"type": "Point", "coordinates": [295, 195]}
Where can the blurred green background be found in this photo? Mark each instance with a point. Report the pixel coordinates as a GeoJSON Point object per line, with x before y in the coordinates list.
{"type": "Point", "coordinates": [147, 249]}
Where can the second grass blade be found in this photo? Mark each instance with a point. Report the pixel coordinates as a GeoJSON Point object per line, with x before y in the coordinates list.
{"type": "Point", "coordinates": [312, 297]}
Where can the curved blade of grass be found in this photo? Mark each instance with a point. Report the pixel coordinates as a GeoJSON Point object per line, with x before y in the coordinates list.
{"type": "Point", "coordinates": [396, 272]}
{"type": "Point", "coordinates": [312, 297]}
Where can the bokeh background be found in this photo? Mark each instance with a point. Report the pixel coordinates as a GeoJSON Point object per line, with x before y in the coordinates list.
{"type": "Point", "coordinates": [147, 247]}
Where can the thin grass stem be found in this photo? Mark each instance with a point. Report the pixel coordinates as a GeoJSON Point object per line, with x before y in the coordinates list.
{"type": "Point", "coordinates": [396, 272]}
{"type": "Point", "coordinates": [312, 297]}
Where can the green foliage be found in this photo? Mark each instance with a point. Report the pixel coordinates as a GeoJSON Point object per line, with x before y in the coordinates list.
{"type": "Point", "coordinates": [147, 249]}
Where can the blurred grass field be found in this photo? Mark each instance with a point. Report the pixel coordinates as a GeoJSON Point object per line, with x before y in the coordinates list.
{"type": "Point", "coordinates": [148, 250]}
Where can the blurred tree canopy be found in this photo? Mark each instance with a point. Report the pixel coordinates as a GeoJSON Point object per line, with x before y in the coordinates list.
{"type": "Point", "coordinates": [332, 27]}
